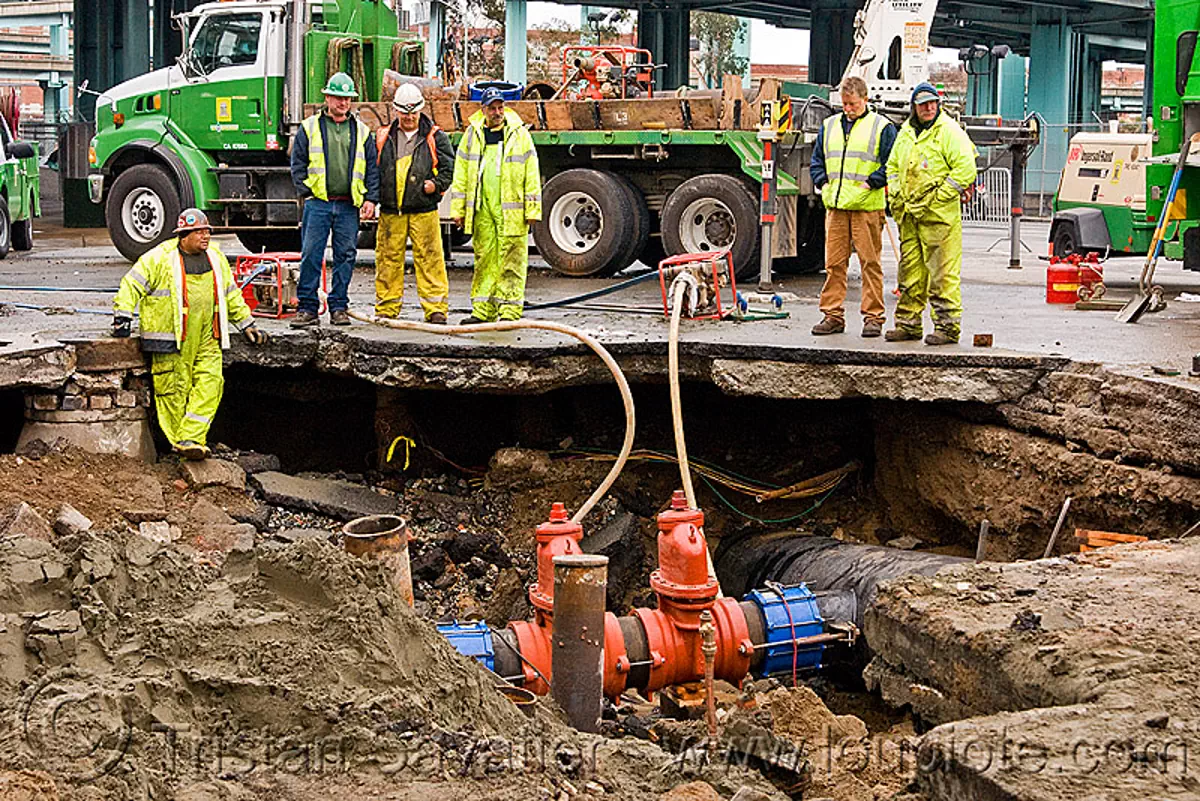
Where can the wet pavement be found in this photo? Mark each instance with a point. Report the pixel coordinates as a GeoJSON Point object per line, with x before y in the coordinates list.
{"type": "Point", "coordinates": [1008, 304]}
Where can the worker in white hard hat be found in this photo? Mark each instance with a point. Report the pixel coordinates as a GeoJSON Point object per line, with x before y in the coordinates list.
{"type": "Point", "coordinates": [188, 301]}
{"type": "Point", "coordinates": [416, 165]}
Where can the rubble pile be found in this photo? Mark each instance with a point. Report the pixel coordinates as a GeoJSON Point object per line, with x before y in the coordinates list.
{"type": "Point", "coordinates": [159, 639]}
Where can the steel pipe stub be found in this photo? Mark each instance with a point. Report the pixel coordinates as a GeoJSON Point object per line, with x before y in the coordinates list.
{"type": "Point", "coordinates": [383, 538]}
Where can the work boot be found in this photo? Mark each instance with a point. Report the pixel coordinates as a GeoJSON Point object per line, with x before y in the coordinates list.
{"type": "Point", "coordinates": [830, 325]}
{"type": "Point", "coordinates": [437, 318]}
{"type": "Point", "coordinates": [339, 317]}
{"type": "Point", "coordinates": [305, 319]}
{"type": "Point", "coordinates": [900, 335]}
{"type": "Point", "coordinates": [191, 450]}
{"type": "Point", "coordinates": [872, 329]}
{"type": "Point", "coordinates": [472, 320]}
{"type": "Point", "coordinates": [941, 338]}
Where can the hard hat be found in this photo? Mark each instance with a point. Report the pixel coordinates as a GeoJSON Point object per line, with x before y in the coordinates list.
{"type": "Point", "coordinates": [192, 220]}
{"type": "Point", "coordinates": [340, 85]}
{"type": "Point", "coordinates": [490, 96]}
{"type": "Point", "coordinates": [408, 99]}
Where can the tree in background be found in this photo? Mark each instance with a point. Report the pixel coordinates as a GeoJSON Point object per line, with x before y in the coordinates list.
{"type": "Point", "coordinates": [718, 36]}
{"type": "Point", "coordinates": [544, 64]}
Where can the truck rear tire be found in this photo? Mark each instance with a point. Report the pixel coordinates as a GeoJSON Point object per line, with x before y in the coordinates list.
{"type": "Point", "coordinates": [713, 212]}
{"type": "Point", "coordinates": [270, 241]}
{"type": "Point", "coordinates": [142, 207]}
{"type": "Point", "coordinates": [22, 234]}
{"type": "Point", "coordinates": [585, 225]}
{"type": "Point", "coordinates": [640, 231]}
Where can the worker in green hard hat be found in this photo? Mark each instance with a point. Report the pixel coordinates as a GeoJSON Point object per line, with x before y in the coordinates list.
{"type": "Point", "coordinates": [336, 172]}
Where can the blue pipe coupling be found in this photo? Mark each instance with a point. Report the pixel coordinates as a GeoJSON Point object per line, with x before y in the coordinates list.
{"type": "Point", "coordinates": [471, 639]}
{"type": "Point", "coordinates": [789, 614]}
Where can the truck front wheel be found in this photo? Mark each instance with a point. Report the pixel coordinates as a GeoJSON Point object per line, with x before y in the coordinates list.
{"type": "Point", "coordinates": [713, 212]}
{"type": "Point", "coordinates": [5, 228]}
{"type": "Point", "coordinates": [586, 224]}
{"type": "Point", "coordinates": [143, 205]}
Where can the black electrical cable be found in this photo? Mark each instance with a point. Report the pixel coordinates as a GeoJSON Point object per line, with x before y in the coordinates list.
{"type": "Point", "coordinates": [598, 293]}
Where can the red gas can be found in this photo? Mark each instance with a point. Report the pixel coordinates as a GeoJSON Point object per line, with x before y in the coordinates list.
{"type": "Point", "coordinates": [1065, 276]}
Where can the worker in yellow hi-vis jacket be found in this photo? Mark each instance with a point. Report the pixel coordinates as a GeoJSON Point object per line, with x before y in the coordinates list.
{"type": "Point", "coordinates": [188, 300]}
{"type": "Point", "coordinates": [496, 195]}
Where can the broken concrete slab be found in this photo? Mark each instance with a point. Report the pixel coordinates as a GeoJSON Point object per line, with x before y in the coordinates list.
{"type": "Point", "coordinates": [23, 520]}
{"type": "Point", "coordinates": [253, 462]}
{"type": "Point", "coordinates": [27, 363]}
{"type": "Point", "coordinates": [130, 438]}
{"type": "Point", "coordinates": [106, 354]}
{"type": "Point", "coordinates": [159, 531]}
{"type": "Point", "coordinates": [214, 472]}
{"type": "Point", "coordinates": [291, 535]}
{"type": "Point", "coordinates": [340, 499]}
{"type": "Point", "coordinates": [70, 521]}
{"type": "Point", "coordinates": [1038, 663]}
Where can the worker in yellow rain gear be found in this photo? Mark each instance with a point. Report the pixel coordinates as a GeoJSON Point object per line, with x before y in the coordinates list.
{"type": "Point", "coordinates": [495, 197]}
{"type": "Point", "coordinates": [416, 165]}
{"type": "Point", "coordinates": [930, 168]}
{"type": "Point", "coordinates": [188, 300]}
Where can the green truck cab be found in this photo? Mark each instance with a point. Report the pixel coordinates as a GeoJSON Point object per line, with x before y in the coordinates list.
{"type": "Point", "coordinates": [1113, 188]}
{"type": "Point", "coordinates": [212, 130]}
{"type": "Point", "coordinates": [20, 191]}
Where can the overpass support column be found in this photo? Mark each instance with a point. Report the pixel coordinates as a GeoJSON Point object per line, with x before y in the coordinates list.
{"type": "Point", "coordinates": [1054, 50]}
{"type": "Point", "coordinates": [829, 52]}
{"type": "Point", "coordinates": [515, 37]}
{"type": "Point", "coordinates": [56, 100]}
{"type": "Point", "coordinates": [1011, 89]}
{"type": "Point", "coordinates": [665, 32]}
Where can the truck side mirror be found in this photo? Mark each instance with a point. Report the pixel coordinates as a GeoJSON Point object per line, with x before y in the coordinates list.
{"type": "Point", "coordinates": [19, 150]}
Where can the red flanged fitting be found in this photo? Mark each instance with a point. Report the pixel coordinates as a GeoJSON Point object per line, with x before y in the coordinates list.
{"type": "Point", "coordinates": [682, 554]}
{"type": "Point", "coordinates": [556, 537]}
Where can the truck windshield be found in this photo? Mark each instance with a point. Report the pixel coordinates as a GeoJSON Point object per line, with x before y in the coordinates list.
{"type": "Point", "coordinates": [226, 40]}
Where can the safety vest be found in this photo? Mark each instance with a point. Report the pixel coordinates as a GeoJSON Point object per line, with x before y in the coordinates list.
{"type": "Point", "coordinates": [520, 177]}
{"type": "Point", "coordinates": [381, 137]}
{"type": "Point", "coordinates": [316, 160]}
{"type": "Point", "coordinates": [850, 160]}
{"type": "Point", "coordinates": [156, 283]}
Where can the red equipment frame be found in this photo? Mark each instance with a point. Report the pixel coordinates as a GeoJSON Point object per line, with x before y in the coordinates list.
{"type": "Point", "coordinates": [713, 258]}
{"type": "Point", "coordinates": [618, 57]}
{"type": "Point", "coordinates": [245, 266]}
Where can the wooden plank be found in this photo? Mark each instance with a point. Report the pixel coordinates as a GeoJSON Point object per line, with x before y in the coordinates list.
{"type": "Point", "coordinates": [1107, 536]}
{"type": "Point", "coordinates": [731, 93]}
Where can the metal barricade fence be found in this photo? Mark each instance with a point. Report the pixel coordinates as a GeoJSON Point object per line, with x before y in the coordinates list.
{"type": "Point", "coordinates": [992, 203]}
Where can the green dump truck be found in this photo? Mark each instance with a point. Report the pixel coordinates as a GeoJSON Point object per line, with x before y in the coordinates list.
{"type": "Point", "coordinates": [212, 130]}
{"type": "Point", "coordinates": [1113, 188]}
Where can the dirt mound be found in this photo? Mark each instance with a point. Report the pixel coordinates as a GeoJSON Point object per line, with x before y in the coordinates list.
{"type": "Point", "coordinates": [135, 667]}
{"type": "Point", "coordinates": [847, 763]}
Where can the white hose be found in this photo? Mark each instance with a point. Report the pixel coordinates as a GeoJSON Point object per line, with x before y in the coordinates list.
{"type": "Point", "coordinates": [678, 290]}
{"type": "Point", "coordinates": [587, 339]}
{"type": "Point", "coordinates": [685, 471]}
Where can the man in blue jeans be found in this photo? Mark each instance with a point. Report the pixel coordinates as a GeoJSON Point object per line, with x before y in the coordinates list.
{"type": "Point", "coordinates": [336, 172]}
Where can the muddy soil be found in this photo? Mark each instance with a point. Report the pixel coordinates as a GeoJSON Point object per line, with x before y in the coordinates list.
{"type": "Point", "coordinates": [135, 669]}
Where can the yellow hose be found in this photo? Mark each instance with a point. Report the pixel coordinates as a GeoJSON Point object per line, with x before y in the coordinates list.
{"type": "Point", "coordinates": [559, 328]}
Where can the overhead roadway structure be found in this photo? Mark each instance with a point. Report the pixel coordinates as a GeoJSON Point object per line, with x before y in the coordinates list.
{"type": "Point", "coordinates": [45, 60]}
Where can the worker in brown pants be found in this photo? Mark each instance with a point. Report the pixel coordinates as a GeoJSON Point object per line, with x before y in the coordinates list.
{"type": "Point", "coordinates": [849, 168]}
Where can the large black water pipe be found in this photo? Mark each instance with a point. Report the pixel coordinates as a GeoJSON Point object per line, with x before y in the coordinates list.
{"type": "Point", "coordinates": [822, 563]}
